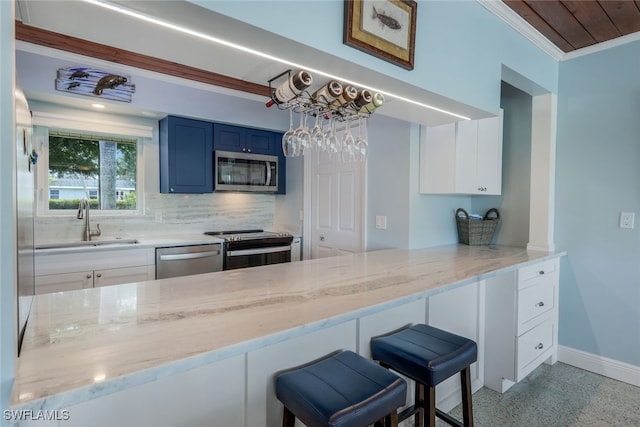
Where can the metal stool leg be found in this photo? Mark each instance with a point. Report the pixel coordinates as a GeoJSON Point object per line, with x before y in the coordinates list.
{"type": "Point", "coordinates": [431, 409]}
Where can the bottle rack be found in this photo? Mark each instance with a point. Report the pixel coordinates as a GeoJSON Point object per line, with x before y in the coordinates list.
{"type": "Point", "coordinates": [304, 103]}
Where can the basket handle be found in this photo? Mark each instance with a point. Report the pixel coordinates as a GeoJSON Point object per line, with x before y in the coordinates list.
{"type": "Point", "coordinates": [492, 210]}
{"type": "Point", "coordinates": [459, 211]}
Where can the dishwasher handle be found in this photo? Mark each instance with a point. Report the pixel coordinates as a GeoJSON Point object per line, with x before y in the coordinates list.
{"type": "Point", "coordinates": [196, 255]}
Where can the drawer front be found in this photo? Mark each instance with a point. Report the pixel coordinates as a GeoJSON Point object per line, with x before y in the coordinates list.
{"type": "Point", "coordinates": [535, 300]}
{"type": "Point", "coordinates": [534, 344]}
{"type": "Point", "coordinates": [528, 276]}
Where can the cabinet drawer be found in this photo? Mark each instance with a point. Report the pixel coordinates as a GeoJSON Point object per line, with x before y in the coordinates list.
{"type": "Point", "coordinates": [528, 276]}
{"type": "Point", "coordinates": [535, 300]}
{"type": "Point", "coordinates": [532, 345]}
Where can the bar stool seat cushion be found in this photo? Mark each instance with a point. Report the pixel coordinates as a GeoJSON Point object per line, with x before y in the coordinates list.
{"type": "Point", "coordinates": [343, 390]}
{"type": "Point", "coordinates": [424, 353]}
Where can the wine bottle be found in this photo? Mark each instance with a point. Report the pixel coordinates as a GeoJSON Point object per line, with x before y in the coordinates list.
{"type": "Point", "coordinates": [328, 93]}
{"type": "Point", "coordinates": [291, 88]}
{"type": "Point", "coordinates": [348, 95]}
{"type": "Point", "coordinates": [364, 97]}
{"type": "Point", "coordinates": [376, 101]}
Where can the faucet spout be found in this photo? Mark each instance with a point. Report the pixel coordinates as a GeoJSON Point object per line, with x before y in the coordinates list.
{"type": "Point", "coordinates": [83, 212]}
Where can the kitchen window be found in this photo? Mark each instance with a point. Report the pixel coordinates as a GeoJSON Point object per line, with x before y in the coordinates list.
{"type": "Point", "coordinates": [93, 167]}
{"type": "Point", "coordinates": [103, 168]}
{"type": "Point", "coordinates": [97, 157]}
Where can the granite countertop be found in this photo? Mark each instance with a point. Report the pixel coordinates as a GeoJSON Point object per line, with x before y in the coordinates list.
{"type": "Point", "coordinates": [86, 343]}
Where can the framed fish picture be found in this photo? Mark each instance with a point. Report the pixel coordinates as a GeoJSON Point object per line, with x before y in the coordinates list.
{"type": "Point", "coordinates": [383, 28]}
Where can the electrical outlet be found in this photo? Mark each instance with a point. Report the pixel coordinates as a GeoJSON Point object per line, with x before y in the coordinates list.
{"type": "Point", "coordinates": [627, 219]}
{"type": "Point", "coordinates": [158, 216]}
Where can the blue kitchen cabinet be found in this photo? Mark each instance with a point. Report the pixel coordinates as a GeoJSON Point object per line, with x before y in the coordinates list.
{"type": "Point", "coordinates": [186, 155]}
{"type": "Point", "coordinates": [244, 140]}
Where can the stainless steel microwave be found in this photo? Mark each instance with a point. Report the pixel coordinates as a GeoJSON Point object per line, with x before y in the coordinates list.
{"type": "Point", "coordinates": [245, 172]}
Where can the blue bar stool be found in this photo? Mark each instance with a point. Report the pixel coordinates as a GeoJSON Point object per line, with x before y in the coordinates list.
{"type": "Point", "coordinates": [429, 356]}
{"type": "Point", "coordinates": [342, 390]}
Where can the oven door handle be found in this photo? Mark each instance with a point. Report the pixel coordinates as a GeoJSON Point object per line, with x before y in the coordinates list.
{"type": "Point", "coordinates": [259, 251]}
{"type": "Point", "coordinates": [193, 255]}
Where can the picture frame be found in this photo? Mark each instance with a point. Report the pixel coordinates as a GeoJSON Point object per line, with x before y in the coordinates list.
{"type": "Point", "coordinates": [383, 28]}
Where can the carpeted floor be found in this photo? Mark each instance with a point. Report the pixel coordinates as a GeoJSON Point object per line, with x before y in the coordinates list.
{"type": "Point", "coordinates": [558, 396]}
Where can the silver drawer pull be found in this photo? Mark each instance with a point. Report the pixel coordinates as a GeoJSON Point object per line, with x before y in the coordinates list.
{"type": "Point", "coordinates": [541, 272]}
{"type": "Point", "coordinates": [540, 346]}
{"type": "Point", "coordinates": [540, 304]}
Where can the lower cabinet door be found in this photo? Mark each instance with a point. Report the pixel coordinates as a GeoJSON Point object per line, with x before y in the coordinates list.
{"type": "Point", "coordinates": [64, 282]}
{"type": "Point", "coordinates": [532, 347]}
{"type": "Point", "coordinates": [118, 276]}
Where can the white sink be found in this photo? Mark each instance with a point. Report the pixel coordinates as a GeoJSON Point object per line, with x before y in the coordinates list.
{"type": "Point", "coordinates": [60, 245]}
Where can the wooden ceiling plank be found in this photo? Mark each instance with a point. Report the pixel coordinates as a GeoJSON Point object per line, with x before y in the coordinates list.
{"type": "Point", "coordinates": [593, 18]}
{"type": "Point", "coordinates": [120, 56]}
{"type": "Point", "coordinates": [559, 17]}
{"type": "Point", "coordinates": [624, 14]}
{"type": "Point", "coordinates": [529, 15]}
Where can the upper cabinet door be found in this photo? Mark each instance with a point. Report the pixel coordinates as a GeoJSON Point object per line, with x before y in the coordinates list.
{"type": "Point", "coordinates": [261, 142]}
{"type": "Point", "coordinates": [186, 156]}
{"type": "Point", "coordinates": [489, 165]}
{"type": "Point", "coordinates": [229, 138]}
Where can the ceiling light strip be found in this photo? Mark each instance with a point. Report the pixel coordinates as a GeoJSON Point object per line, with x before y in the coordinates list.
{"type": "Point", "coordinates": [184, 30]}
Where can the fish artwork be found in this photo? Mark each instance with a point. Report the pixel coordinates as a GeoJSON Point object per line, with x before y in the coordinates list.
{"type": "Point", "coordinates": [72, 85]}
{"type": "Point", "coordinates": [386, 20]}
{"type": "Point", "coordinates": [109, 81]}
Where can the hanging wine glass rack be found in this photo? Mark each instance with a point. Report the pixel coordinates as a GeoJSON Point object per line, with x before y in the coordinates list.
{"type": "Point", "coordinates": [305, 103]}
{"type": "Point", "coordinates": [327, 107]}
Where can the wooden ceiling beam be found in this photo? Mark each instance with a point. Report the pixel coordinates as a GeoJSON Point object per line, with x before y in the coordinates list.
{"type": "Point", "coordinates": [71, 44]}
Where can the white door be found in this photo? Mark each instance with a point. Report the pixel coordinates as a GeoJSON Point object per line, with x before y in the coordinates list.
{"type": "Point", "coordinates": [336, 205]}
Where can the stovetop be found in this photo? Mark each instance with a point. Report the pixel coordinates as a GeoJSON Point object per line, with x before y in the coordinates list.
{"type": "Point", "coordinates": [238, 235]}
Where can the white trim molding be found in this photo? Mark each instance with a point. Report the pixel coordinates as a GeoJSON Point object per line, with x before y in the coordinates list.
{"type": "Point", "coordinates": [604, 366]}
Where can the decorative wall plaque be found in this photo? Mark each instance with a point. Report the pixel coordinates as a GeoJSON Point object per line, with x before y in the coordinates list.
{"type": "Point", "coordinates": [92, 82]}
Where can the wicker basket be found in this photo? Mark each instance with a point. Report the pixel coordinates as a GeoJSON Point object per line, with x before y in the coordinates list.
{"type": "Point", "coordinates": [475, 232]}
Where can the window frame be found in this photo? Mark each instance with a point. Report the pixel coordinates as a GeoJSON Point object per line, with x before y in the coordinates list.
{"type": "Point", "coordinates": [43, 122]}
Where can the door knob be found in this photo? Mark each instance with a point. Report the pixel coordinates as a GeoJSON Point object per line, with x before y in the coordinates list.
{"type": "Point", "coordinates": [322, 238]}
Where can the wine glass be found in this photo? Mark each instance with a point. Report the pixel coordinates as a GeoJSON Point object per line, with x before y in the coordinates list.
{"type": "Point", "coordinates": [361, 145]}
{"type": "Point", "coordinates": [317, 135]}
{"type": "Point", "coordinates": [302, 135]}
{"type": "Point", "coordinates": [332, 140]}
{"type": "Point", "coordinates": [348, 145]}
{"type": "Point", "coordinates": [288, 140]}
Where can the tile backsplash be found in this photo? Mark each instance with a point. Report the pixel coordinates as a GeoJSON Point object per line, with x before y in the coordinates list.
{"type": "Point", "coordinates": [168, 214]}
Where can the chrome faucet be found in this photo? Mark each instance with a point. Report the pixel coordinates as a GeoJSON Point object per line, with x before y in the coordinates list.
{"type": "Point", "coordinates": [83, 212]}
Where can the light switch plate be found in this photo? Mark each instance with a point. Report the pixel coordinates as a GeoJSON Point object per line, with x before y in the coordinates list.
{"type": "Point", "coordinates": [627, 219]}
{"type": "Point", "coordinates": [381, 222]}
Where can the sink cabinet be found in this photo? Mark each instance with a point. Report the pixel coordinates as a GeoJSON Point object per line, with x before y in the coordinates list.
{"type": "Point", "coordinates": [186, 155]}
{"type": "Point", "coordinates": [521, 323]}
{"type": "Point", "coordinates": [72, 271]}
{"type": "Point", "coordinates": [462, 158]}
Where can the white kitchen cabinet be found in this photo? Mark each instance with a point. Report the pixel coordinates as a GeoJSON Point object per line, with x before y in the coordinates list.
{"type": "Point", "coordinates": [296, 254]}
{"type": "Point", "coordinates": [462, 158]}
{"type": "Point", "coordinates": [211, 395]}
{"type": "Point", "coordinates": [56, 272]}
{"type": "Point", "coordinates": [521, 323]}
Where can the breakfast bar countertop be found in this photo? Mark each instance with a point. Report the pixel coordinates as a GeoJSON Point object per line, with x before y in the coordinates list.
{"type": "Point", "coordinates": [83, 344]}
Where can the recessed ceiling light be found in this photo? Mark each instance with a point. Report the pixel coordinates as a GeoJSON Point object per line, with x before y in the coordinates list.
{"type": "Point", "coordinates": [227, 43]}
{"type": "Point", "coordinates": [98, 106]}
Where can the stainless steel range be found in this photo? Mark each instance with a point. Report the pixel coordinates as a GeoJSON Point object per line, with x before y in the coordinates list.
{"type": "Point", "coordinates": [251, 248]}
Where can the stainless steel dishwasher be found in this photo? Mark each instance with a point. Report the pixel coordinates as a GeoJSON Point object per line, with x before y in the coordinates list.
{"type": "Point", "coordinates": [185, 260]}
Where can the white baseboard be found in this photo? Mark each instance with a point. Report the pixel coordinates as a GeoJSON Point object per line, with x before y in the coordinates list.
{"type": "Point", "coordinates": [604, 366]}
